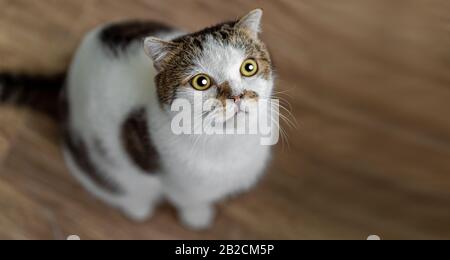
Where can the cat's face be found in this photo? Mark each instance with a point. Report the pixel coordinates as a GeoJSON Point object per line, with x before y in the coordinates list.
{"type": "Point", "coordinates": [226, 65]}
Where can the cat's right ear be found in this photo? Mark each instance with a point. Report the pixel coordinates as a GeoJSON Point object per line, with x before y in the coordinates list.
{"type": "Point", "coordinates": [251, 22]}
{"type": "Point", "coordinates": [158, 50]}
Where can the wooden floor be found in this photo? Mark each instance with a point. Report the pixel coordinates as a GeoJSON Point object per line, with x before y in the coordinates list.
{"type": "Point", "coordinates": [368, 82]}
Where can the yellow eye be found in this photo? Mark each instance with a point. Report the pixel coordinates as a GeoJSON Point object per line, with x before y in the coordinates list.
{"type": "Point", "coordinates": [249, 68]}
{"type": "Point", "coordinates": [201, 82]}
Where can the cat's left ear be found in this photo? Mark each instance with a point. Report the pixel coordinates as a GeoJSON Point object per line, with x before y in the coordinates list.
{"type": "Point", "coordinates": [251, 22]}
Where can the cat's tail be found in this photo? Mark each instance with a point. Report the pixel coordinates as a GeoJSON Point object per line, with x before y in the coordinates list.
{"type": "Point", "coordinates": [38, 92]}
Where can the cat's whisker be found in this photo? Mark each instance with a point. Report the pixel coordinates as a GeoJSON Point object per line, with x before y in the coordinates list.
{"type": "Point", "coordinates": [289, 118]}
{"type": "Point", "coordinates": [283, 101]}
{"type": "Point", "coordinates": [283, 134]}
{"type": "Point", "coordinates": [283, 92]}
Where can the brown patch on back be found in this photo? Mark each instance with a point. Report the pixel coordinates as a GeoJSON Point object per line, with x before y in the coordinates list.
{"type": "Point", "coordinates": [137, 142]}
{"type": "Point", "coordinates": [117, 37]}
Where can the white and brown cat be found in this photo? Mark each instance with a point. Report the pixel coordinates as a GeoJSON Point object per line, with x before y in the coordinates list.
{"type": "Point", "coordinates": [116, 113]}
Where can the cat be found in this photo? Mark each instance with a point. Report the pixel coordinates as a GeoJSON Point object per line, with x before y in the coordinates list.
{"type": "Point", "coordinates": [115, 112]}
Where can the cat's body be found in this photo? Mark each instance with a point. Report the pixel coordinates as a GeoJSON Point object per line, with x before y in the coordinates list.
{"type": "Point", "coordinates": [118, 138]}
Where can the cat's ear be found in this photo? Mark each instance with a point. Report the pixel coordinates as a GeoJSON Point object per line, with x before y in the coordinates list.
{"type": "Point", "coordinates": [158, 50]}
{"type": "Point", "coordinates": [251, 22]}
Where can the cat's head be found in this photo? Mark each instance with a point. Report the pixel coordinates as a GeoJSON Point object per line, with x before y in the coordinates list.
{"type": "Point", "coordinates": [227, 62]}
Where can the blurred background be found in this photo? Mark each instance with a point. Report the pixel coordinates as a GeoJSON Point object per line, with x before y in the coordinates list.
{"type": "Point", "coordinates": [367, 80]}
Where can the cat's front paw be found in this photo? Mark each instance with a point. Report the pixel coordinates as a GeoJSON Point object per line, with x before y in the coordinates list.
{"type": "Point", "coordinates": [138, 213]}
{"type": "Point", "coordinates": [197, 218]}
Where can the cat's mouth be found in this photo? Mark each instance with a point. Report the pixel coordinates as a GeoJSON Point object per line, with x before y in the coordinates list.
{"type": "Point", "coordinates": [225, 115]}
{"type": "Point", "coordinates": [221, 112]}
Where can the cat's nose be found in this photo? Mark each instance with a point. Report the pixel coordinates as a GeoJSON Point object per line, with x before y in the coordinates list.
{"type": "Point", "coordinates": [236, 98]}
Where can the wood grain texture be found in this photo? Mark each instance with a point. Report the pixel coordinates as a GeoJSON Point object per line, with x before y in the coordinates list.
{"type": "Point", "coordinates": [368, 81]}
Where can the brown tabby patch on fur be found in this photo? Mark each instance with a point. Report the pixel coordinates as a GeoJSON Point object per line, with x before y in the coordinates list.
{"type": "Point", "coordinates": [81, 156]}
{"type": "Point", "coordinates": [250, 94]}
{"type": "Point", "coordinates": [185, 49]}
{"type": "Point", "coordinates": [117, 37]}
{"type": "Point", "coordinates": [138, 143]}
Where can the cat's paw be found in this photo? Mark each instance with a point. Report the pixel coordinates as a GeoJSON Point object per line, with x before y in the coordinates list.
{"type": "Point", "coordinates": [138, 213]}
{"type": "Point", "coordinates": [198, 218]}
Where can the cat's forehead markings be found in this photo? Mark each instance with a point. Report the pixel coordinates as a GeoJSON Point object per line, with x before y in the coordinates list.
{"type": "Point", "coordinates": [220, 60]}
{"type": "Point", "coordinates": [221, 31]}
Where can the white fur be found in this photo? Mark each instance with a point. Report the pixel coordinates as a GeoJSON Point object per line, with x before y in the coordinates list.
{"type": "Point", "coordinates": [103, 90]}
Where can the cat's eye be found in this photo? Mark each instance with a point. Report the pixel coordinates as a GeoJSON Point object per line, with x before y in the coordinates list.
{"type": "Point", "coordinates": [249, 68]}
{"type": "Point", "coordinates": [201, 82]}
